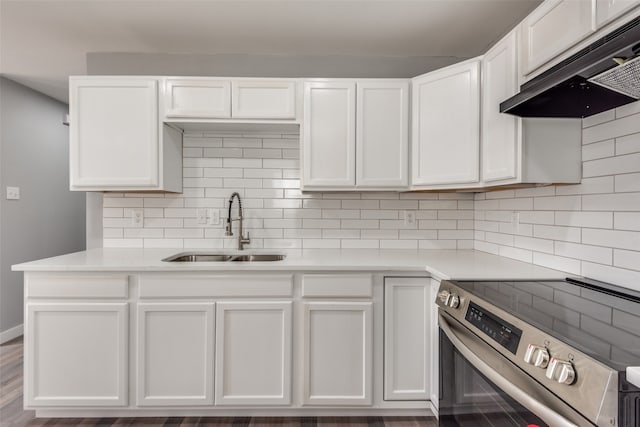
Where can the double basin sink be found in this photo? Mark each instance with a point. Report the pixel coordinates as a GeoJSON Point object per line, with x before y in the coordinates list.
{"type": "Point", "coordinates": [221, 257]}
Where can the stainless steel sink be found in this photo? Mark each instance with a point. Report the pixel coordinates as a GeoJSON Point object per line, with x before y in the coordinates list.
{"type": "Point", "coordinates": [197, 257]}
{"type": "Point", "coordinates": [257, 257]}
{"type": "Point", "coordinates": [207, 257]}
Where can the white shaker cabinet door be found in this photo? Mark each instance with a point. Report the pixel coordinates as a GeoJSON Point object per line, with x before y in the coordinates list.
{"type": "Point", "coordinates": [501, 141]}
{"type": "Point", "coordinates": [175, 354]}
{"type": "Point", "coordinates": [338, 353]}
{"type": "Point", "coordinates": [608, 10]}
{"type": "Point", "coordinates": [197, 98]}
{"type": "Point", "coordinates": [76, 354]}
{"type": "Point", "coordinates": [446, 130]}
{"type": "Point", "coordinates": [263, 99]}
{"type": "Point", "coordinates": [114, 141]}
{"type": "Point", "coordinates": [253, 356]}
{"type": "Point", "coordinates": [407, 324]}
{"type": "Point", "coordinates": [328, 141]}
{"type": "Point", "coordinates": [382, 134]}
{"type": "Point", "coordinates": [554, 27]}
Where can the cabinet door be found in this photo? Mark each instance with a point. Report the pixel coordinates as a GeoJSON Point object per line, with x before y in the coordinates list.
{"type": "Point", "coordinates": [76, 354]}
{"type": "Point", "coordinates": [263, 99]}
{"type": "Point", "coordinates": [328, 144]}
{"type": "Point", "coordinates": [337, 353]}
{"type": "Point", "coordinates": [381, 134]}
{"type": "Point", "coordinates": [175, 354]}
{"type": "Point", "coordinates": [253, 357]}
{"type": "Point", "coordinates": [554, 27]}
{"type": "Point", "coordinates": [500, 132]}
{"type": "Point", "coordinates": [114, 141]}
{"type": "Point", "coordinates": [607, 10]}
{"type": "Point", "coordinates": [406, 346]}
{"type": "Point", "coordinates": [446, 129]}
{"type": "Point", "coordinates": [197, 98]}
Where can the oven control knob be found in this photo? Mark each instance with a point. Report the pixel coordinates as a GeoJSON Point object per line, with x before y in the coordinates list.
{"type": "Point", "coordinates": [444, 296]}
{"type": "Point", "coordinates": [537, 356]}
{"type": "Point", "coordinates": [561, 371]}
{"type": "Point", "coordinates": [454, 301]}
{"type": "Point", "coordinates": [449, 299]}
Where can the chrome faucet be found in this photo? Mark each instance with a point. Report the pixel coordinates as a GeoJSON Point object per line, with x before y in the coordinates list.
{"type": "Point", "coordinates": [242, 240]}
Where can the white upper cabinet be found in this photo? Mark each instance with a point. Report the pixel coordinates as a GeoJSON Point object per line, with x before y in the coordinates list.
{"type": "Point", "coordinates": [445, 139]}
{"type": "Point", "coordinates": [204, 98]}
{"type": "Point", "coordinates": [263, 99]}
{"type": "Point", "coordinates": [500, 132]}
{"type": "Point", "coordinates": [607, 10]}
{"type": "Point", "coordinates": [554, 27]}
{"type": "Point", "coordinates": [355, 134]}
{"type": "Point", "coordinates": [117, 142]}
{"type": "Point", "coordinates": [328, 147]}
{"type": "Point", "coordinates": [197, 98]}
{"type": "Point", "coordinates": [382, 133]}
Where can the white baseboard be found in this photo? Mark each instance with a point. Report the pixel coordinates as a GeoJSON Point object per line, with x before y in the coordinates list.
{"type": "Point", "coordinates": [10, 334]}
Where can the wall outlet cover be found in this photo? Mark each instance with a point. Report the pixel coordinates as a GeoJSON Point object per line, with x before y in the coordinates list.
{"type": "Point", "coordinates": [13, 193]}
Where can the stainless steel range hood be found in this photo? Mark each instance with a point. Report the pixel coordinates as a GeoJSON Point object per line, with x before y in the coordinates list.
{"type": "Point", "coordinates": [574, 87]}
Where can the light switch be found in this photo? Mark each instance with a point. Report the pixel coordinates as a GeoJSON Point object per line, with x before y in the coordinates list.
{"type": "Point", "coordinates": [201, 215]}
{"type": "Point", "coordinates": [13, 193]}
{"type": "Point", "coordinates": [137, 217]}
{"type": "Point", "coordinates": [214, 217]}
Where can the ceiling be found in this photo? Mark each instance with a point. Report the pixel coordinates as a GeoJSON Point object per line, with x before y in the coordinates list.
{"type": "Point", "coordinates": [43, 42]}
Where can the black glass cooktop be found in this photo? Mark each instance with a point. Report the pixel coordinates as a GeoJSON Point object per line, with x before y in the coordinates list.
{"type": "Point", "coordinates": [598, 319]}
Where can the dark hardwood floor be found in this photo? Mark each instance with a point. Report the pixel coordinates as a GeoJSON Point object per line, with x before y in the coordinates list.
{"type": "Point", "coordinates": [12, 414]}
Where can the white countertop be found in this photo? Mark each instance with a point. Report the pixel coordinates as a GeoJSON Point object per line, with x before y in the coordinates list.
{"type": "Point", "coordinates": [442, 264]}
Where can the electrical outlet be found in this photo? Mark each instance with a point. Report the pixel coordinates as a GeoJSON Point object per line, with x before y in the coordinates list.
{"type": "Point", "coordinates": [201, 216]}
{"type": "Point", "coordinates": [409, 217]}
{"type": "Point", "coordinates": [214, 217]}
{"type": "Point", "coordinates": [137, 217]}
{"type": "Point", "coordinates": [13, 193]}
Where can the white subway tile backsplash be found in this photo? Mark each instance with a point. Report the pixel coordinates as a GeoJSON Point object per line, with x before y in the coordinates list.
{"type": "Point", "coordinates": [620, 127]}
{"type": "Point", "coordinates": [585, 219]}
{"type": "Point", "coordinates": [612, 202]}
{"type": "Point", "coordinates": [598, 150]}
{"type": "Point", "coordinates": [611, 238]}
{"type": "Point", "coordinates": [561, 233]}
{"type": "Point", "coordinates": [626, 221]}
{"type": "Point", "coordinates": [592, 228]}
{"type": "Point", "coordinates": [628, 144]}
{"type": "Point", "coordinates": [627, 182]}
{"type": "Point", "coordinates": [626, 259]}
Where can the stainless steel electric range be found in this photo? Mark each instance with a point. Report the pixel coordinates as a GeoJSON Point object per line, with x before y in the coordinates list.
{"type": "Point", "coordinates": [536, 353]}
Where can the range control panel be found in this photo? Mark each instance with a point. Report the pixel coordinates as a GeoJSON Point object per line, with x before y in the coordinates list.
{"type": "Point", "coordinates": [495, 328]}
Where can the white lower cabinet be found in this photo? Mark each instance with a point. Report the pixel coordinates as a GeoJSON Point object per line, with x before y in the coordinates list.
{"type": "Point", "coordinates": [407, 327]}
{"type": "Point", "coordinates": [76, 354]}
{"type": "Point", "coordinates": [253, 356]}
{"type": "Point", "coordinates": [175, 354]}
{"type": "Point", "coordinates": [337, 353]}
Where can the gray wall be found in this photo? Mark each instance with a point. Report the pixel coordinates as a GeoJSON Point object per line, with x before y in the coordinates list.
{"type": "Point", "coordinates": [48, 219]}
{"type": "Point", "coordinates": [238, 65]}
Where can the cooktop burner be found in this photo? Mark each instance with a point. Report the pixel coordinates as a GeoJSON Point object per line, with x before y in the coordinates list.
{"type": "Point", "coordinates": [598, 319]}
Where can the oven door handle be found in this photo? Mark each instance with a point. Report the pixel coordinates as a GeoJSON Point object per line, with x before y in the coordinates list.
{"type": "Point", "coordinates": [542, 411]}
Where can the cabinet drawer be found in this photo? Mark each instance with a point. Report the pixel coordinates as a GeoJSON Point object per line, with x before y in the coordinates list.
{"type": "Point", "coordinates": [76, 285]}
{"type": "Point", "coordinates": [337, 285]}
{"type": "Point", "coordinates": [218, 285]}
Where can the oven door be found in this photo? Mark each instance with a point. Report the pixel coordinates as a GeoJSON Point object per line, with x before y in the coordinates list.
{"type": "Point", "coordinates": [480, 387]}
